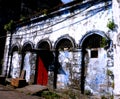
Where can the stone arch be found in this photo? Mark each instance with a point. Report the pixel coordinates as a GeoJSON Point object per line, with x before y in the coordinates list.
{"type": "Point", "coordinates": [15, 47]}
{"type": "Point", "coordinates": [44, 44]}
{"type": "Point", "coordinates": [45, 58]}
{"type": "Point", "coordinates": [27, 60]}
{"type": "Point", "coordinates": [65, 41]}
{"type": "Point", "coordinates": [27, 46]}
{"type": "Point", "coordinates": [64, 47]}
{"type": "Point", "coordinates": [90, 33]}
{"type": "Point", "coordinates": [93, 55]}
{"type": "Point", "coordinates": [15, 61]}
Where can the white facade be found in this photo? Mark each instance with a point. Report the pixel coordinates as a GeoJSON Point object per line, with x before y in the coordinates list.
{"type": "Point", "coordinates": [86, 20]}
{"type": "Point", "coordinates": [116, 41]}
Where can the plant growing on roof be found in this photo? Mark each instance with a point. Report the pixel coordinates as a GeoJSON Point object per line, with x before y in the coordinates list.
{"type": "Point", "coordinates": [9, 26]}
{"type": "Point", "coordinates": [111, 25]}
{"type": "Point", "coordinates": [22, 18]}
{"type": "Point", "coordinates": [103, 42]}
{"type": "Point", "coordinates": [109, 72]}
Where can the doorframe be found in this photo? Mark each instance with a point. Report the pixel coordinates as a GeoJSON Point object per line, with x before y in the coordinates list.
{"type": "Point", "coordinates": [89, 33]}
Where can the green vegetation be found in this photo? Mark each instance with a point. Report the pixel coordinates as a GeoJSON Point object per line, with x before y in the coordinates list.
{"type": "Point", "coordinates": [111, 25]}
{"type": "Point", "coordinates": [103, 42]}
{"type": "Point", "coordinates": [88, 92]}
{"type": "Point", "coordinates": [9, 26]}
{"type": "Point", "coordinates": [104, 97]}
{"type": "Point", "coordinates": [109, 72]}
{"type": "Point", "coordinates": [22, 18]}
{"type": "Point", "coordinates": [49, 95]}
{"type": "Point", "coordinates": [112, 84]}
{"type": "Point", "coordinates": [107, 97]}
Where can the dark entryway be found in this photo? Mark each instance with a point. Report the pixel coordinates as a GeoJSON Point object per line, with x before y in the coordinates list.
{"type": "Point", "coordinates": [42, 75]}
{"type": "Point", "coordinates": [94, 56]}
{"type": "Point", "coordinates": [44, 60]}
{"type": "Point", "coordinates": [63, 65]}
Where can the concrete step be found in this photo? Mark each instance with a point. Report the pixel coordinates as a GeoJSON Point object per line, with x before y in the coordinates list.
{"type": "Point", "coordinates": [32, 89]}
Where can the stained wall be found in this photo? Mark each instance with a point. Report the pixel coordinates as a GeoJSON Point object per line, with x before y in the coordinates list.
{"type": "Point", "coordinates": [85, 19]}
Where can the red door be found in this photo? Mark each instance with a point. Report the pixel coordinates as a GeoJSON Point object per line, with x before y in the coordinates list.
{"type": "Point", "coordinates": [42, 76]}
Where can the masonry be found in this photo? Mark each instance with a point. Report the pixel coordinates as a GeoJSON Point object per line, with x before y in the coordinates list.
{"type": "Point", "coordinates": [70, 48]}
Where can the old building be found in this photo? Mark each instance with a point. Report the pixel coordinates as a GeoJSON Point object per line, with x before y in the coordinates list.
{"type": "Point", "coordinates": [72, 47]}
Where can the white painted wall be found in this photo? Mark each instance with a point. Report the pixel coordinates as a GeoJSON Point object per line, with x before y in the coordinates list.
{"type": "Point", "coordinates": [76, 25]}
{"type": "Point", "coordinates": [15, 66]}
{"type": "Point", "coordinates": [96, 76]}
{"type": "Point", "coordinates": [27, 66]}
{"type": "Point", "coordinates": [116, 16]}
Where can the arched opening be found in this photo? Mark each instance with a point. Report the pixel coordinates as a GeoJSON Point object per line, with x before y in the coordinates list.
{"type": "Point", "coordinates": [27, 60]}
{"type": "Point", "coordinates": [63, 65]}
{"type": "Point", "coordinates": [45, 58]}
{"type": "Point", "coordinates": [27, 47]}
{"type": "Point", "coordinates": [44, 45]}
{"type": "Point", "coordinates": [92, 34]}
{"type": "Point", "coordinates": [14, 69]}
{"type": "Point", "coordinates": [94, 41]}
{"type": "Point", "coordinates": [94, 63]}
{"type": "Point", "coordinates": [64, 44]}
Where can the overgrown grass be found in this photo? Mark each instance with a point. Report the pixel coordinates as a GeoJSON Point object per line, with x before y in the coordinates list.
{"type": "Point", "coordinates": [49, 95]}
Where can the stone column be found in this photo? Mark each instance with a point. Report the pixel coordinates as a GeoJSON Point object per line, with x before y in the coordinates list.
{"type": "Point", "coordinates": [6, 58]}
{"type": "Point", "coordinates": [116, 46]}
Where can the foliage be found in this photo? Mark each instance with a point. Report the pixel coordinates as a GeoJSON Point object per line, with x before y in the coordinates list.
{"type": "Point", "coordinates": [111, 97]}
{"type": "Point", "coordinates": [103, 97]}
{"type": "Point", "coordinates": [109, 72]}
{"type": "Point", "coordinates": [88, 92]}
{"type": "Point", "coordinates": [49, 95]}
{"type": "Point", "coordinates": [111, 25]}
{"type": "Point", "coordinates": [107, 97]}
{"type": "Point", "coordinates": [103, 42]}
{"type": "Point", "coordinates": [112, 84]}
{"type": "Point", "coordinates": [9, 26]}
{"type": "Point", "coordinates": [45, 11]}
{"type": "Point", "coordinates": [70, 94]}
{"type": "Point", "coordinates": [22, 18]}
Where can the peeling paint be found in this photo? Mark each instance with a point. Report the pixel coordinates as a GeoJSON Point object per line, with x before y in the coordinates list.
{"type": "Point", "coordinates": [69, 73]}
{"type": "Point", "coordinates": [87, 19]}
{"type": "Point", "coordinates": [96, 78]}
{"type": "Point", "coordinates": [15, 68]}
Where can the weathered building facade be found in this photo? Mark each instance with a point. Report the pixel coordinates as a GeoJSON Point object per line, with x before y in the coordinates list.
{"type": "Point", "coordinates": [72, 47]}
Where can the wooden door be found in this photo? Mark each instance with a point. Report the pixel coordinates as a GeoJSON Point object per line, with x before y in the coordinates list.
{"type": "Point", "coordinates": [42, 75]}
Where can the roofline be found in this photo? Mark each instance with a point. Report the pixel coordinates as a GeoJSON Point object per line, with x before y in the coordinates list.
{"type": "Point", "coordinates": [51, 13]}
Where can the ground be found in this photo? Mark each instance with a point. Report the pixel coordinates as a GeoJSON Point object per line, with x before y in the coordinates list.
{"type": "Point", "coordinates": [30, 92]}
{"type": "Point", "coordinates": [10, 93]}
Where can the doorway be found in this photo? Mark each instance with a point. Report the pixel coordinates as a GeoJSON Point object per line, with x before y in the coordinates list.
{"type": "Point", "coordinates": [94, 64]}
{"type": "Point", "coordinates": [44, 61]}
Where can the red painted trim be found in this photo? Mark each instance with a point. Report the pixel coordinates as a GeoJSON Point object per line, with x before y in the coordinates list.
{"type": "Point", "coordinates": [42, 76]}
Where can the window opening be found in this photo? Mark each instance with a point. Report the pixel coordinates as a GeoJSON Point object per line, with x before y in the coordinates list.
{"type": "Point", "coordinates": [64, 44]}
{"type": "Point", "coordinates": [94, 41]}
{"type": "Point", "coordinates": [94, 53]}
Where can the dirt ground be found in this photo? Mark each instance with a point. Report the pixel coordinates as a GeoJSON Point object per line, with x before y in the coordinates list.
{"type": "Point", "coordinates": [9, 93]}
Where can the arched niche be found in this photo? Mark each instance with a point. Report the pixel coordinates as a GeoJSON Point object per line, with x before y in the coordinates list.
{"type": "Point", "coordinates": [27, 61]}
{"type": "Point", "coordinates": [93, 35]}
{"type": "Point", "coordinates": [64, 42]}
{"type": "Point", "coordinates": [28, 46]}
{"type": "Point", "coordinates": [64, 47]}
{"type": "Point", "coordinates": [15, 62]}
{"type": "Point", "coordinates": [44, 45]}
{"type": "Point", "coordinates": [45, 59]}
{"type": "Point", "coordinates": [94, 45]}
